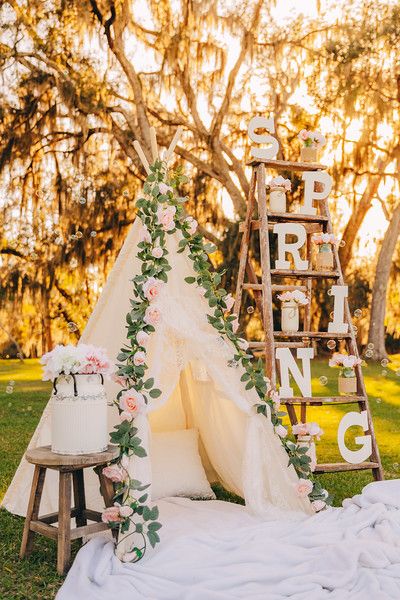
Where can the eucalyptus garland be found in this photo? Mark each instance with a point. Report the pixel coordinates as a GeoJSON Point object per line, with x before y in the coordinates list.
{"type": "Point", "coordinates": [162, 213]}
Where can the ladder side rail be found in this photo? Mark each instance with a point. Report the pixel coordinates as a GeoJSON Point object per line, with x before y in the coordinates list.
{"type": "Point", "coordinates": [361, 389]}
{"type": "Point", "coordinates": [266, 277]}
{"type": "Point", "coordinates": [244, 244]}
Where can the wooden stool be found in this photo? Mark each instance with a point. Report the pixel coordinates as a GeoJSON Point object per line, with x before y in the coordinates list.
{"type": "Point", "coordinates": [70, 469]}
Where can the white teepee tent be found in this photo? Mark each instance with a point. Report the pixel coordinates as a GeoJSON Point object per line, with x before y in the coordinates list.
{"type": "Point", "coordinates": [189, 362]}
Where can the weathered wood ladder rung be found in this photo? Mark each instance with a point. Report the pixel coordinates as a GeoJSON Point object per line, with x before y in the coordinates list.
{"type": "Point", "coordinates": [260, 219]}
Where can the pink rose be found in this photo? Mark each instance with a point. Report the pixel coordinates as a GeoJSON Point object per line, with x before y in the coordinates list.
{"type": "Point", "coordinates": [165, 217]}
{"type": "Point", "coordinates": [229, 301]}
{"type": "Point", "coordinates": [304, 135]}
{"type": "Point", "coordinates": [318, 505]}
{"type": "Point", "coordinates": [115, 473]}
{"type": "Point", "coordinates": [118, 379]}
{"type": "Point", "coordinates": [304, 487]}
{"type": "Point", "coordinates": [129, 556]}
{"type": "Point", "coordinates": [192, 225]}
{"type": "Point", "coordinates": [125, 511]}
{"type": "Point", "coordinates": [280, 430]}
{"type": "Point", "coordinates": [125, 416]}
{"type": "Point", "coordinates": [314, 429]}
{"type": "Point", "coordinates": [152, 316]}
{"type": "Point", "coordinates": [164, 188]}
{"type": "Point", "coordinates": [300, 429]}
{"type": "Point", "coordinates": [152, 287]}
{"type": "Point", "coordinates": [144, 235]}
{"type": "Point", "coordinates": [157, 252]}
{"type": "Point", "coordinates": [276, 400]}
{"type": "Point", "coordinates": [139, 358]}
{"type": "Point", "coordinates": [142, 337]}
{"type": "Point", "coordinates": [131, 401]}
{"type": "Point", "coordinates": [111, 515]}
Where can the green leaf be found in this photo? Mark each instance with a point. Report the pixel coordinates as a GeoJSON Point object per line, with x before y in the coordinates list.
{"type": "Point", "coordinates": [155, 393]}
{"type": "Point", "coordinates": [139, 451]}
{"type": "Point", "coordinates": [155, 526]}
{"type": "Point", "coordinates": [190, 279]}
{"type": "Point", "coordinates": [149, 383]}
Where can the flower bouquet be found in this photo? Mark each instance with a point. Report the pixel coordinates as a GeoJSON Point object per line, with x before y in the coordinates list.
{"type": "Point", "coordinates": [312, 142]}
{"type": "Point", "coordinates": [290, 309]}
{"type": "Point", "coordinates": [277, 197]}
{"type": "Point", "coordinates": [347, 380]}
{"type": "Point", "coordinates": [306, 434]}
{"type": "Point", "coordinates": [324, 258]}
{"type": "Point", "coordinates": [78, 401]}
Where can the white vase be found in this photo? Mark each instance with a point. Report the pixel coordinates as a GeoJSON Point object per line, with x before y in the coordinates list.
{"type": "Point", "coordinates": [347, 386]}
{"type": "Point", "coordinates": [79, 415]}
{"type": "Point", "coordinates": [309, 154]}
{"type": "Point", "coordinates": [306, 441]}
{"type": "Point", "coordinates": [324, 258]}
{"type": "Point", "coordinates": [290, 316]}
{"type": "Point", "coordinates": [277, 200]}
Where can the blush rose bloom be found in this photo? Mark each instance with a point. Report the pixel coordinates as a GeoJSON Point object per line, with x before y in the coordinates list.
{"type": "Point", "coordinates": [166, 216]}
{"type": "Point", "coordinates": [164, 188]}
{"type": "Point", "coordinates": [111, 515]}
{"type": "Point", "coordinates": [229, 301]}
{"type": "Point", "coordinates": [157, 252]}
{"type": "Point", "coordinates": [152, 287]}
{"type": "Point", "coordinates": [125, 416]}
{"type": "Point", "coordinates": [280, 430]}
{"type": "Point", "coordinates": [152, 316]}
{"type": "Point", "coordinates": [142, 338]}
{"type": "Point", "coordinates": [129, 557]}
{"type": "Point", "coordinates": [243, 344]}
{"type": "Point", "coordinates": [192, 225]}
{"type": "Point", "coordinates": [300, 429]}
{"type": "Point", "coordinates": [318, 505]}
{"type": "Point", "coordinates": [125, 511]}
{"type": "Point", "coordinates": [115, 473]}
{"type": "Point", "coordinates": [139, 358]}
{"type": "Point", "coordinates": [304, 135]}
{"type": "Point", "coordinates": [276, 401]}
{"type": "Point", "coordinates": [304, 487]}
{"type": "Point", "coordinates": [131, 401]}
{"type": "Point", "coordinates": [235, 324]}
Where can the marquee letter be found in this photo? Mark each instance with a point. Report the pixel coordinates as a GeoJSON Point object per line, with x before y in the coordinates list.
{"type": "Point", "coordinates": [282, 230]}
{"type": "Point", "coordinates": [287, 363]}
{"type": "Point", "coordinates": [339, 292]}
{"type": "Point", "coordinates": [355, 456]}
{"type": "Point", "coordinates": [310, 178]}
{"type": "Point", "coordinates": [269, 125]}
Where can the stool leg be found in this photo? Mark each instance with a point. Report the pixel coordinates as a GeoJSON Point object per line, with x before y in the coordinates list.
{"type": "Point", "coordinates": [79, 497]}
{"type": "Point", "coordinates": [107, 491]}
{"type": "Point", "coordinates": [33, 510]}
{"type": "Point", "coordinates": [64, 523]}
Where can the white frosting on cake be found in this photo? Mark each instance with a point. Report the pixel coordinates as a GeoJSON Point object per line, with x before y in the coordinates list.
{"type": "Point", "coordinates": [79, 423]}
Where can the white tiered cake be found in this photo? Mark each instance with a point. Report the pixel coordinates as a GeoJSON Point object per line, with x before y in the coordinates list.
{"type": "Point", "coordinates": [79, 415]}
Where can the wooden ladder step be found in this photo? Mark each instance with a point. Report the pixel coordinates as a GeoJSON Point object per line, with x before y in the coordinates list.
{"type": "Point", "coordinates": [311, 334]}
{"type": "Point", "coordinates": [275, 288]}
{"type": "Point", "coordinates": [303, 274]}
{"type": "Point", "coordinates": [337, 467]}
{"type": "Point", "coordinates": [260, 346]}
{"type": "Point", "coordinates": [296, 217]}
{"type": "Point", "coordinates": [287, 165]}
{"type": "Point", "coordinates": [322, 400]}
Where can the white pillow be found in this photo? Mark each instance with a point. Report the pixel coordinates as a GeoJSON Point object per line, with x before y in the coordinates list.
{"type": "Point", "coordinates": [176, 466]}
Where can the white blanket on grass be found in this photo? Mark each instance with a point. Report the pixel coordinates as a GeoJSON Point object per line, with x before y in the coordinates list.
{"type": "Point", "coordinates": [218, 551]}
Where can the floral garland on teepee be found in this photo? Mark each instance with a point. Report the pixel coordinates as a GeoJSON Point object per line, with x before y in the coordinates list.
{"type": "Point", "coordinates": [161, 213]}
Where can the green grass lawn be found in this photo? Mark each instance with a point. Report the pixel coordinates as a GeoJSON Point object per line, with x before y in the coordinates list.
{"type": "Point", "coordinates": [36, 579]}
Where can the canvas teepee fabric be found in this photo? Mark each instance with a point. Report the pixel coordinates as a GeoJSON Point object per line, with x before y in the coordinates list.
{"type": "Point", "coordinates": [189, 362]}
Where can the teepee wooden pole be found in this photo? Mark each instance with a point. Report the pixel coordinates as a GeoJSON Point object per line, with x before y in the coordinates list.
{"type": "Point", "coordinates": [142, 157]}
{"type": "Point", "coordinates": [174, 143]}
{"type": "Point", "coordinates": [153, 143]}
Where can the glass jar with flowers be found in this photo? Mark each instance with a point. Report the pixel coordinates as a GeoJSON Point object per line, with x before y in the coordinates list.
{"type": "Point", "coordinates": [347, 380]}
{"type": "Point", "coordinates": [278, 186]}
{"type": "Point", "coordinates": [290, 309]}
{"type": "Point", "coordinates": [307, 434]}
{"type": "Point", "coordinates": [312, 142]}
{"type": "Point", "coordinates": [324, 258]}
{"type": "Point", "coordinates": [78, 401]}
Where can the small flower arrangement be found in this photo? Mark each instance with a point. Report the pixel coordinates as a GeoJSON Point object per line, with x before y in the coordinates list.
{"type": "Point", "coordinates": [83, 359]}
{"type": "Point", "coordinates": [280, 182]}
{"type": "Point", "coordinates": [311, 139]}
{"type": "Point", "coordinates": [347, 362]}
{"type": "Point", "coordinates": [311, 429]}
{"type": "Point", "coordinates": [295, 296]}
{"type": "Point", "coordinates": [324, 238]}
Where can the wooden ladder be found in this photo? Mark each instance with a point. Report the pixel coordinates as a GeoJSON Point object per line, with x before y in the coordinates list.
{"type": "Point", "coordinates": [275, 280]}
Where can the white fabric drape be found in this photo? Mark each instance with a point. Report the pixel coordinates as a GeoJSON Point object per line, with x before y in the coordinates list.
{"type": "Point", "coordinates": [188, 360]}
